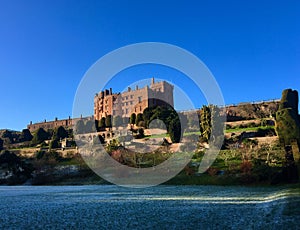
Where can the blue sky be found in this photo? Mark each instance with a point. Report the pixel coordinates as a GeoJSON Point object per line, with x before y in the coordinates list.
{"type": "Point", "coordinates": [251, 47]}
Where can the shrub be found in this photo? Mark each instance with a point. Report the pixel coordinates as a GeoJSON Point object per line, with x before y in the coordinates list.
{"type": "Point", "coordinates": [246, 167]}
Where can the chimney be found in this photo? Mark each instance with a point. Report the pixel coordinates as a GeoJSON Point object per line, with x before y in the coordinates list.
{"type": "Point", "coordinates": [110, 91]}
{"type": "Point", "coordinates": [129, 89]}
{"type": "Point", "coordinates": [152, 81]}
{"type": "Point", "coordinates": [136, 87]}
{"type": "Point", "coordinates": [56, 119]}
{"type": "Point", "coordinates": [31, 122]}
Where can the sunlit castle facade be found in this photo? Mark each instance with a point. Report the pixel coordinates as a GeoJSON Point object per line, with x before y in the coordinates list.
{"type": "Point", "coordinates": [133, 100]}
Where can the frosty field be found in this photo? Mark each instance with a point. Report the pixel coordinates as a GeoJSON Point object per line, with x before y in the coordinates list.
{"type": "Point", "coordinates": [163, 207]}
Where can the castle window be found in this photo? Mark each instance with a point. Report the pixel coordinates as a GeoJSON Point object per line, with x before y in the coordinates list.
{"type": "Point", "coordinates": [140, 99]}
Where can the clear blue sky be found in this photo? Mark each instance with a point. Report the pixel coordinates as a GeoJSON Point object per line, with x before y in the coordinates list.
{"type": "Point", "coordinates": [251, 47]}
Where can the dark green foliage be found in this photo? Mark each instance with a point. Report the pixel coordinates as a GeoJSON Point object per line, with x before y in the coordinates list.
{"type": "Point", "coordinates": [147, 114]}
{"type": "Point", "coordinates": [39, 136]}
{"type": "Point", "coordinates": [9, 158]}
{"type": "Point", "coordinates": [168, 116]}
{"type": "Point", "coordinates": [1, 144]}
{"type": "Point", "coordinates": [25, 135]}
{"type": "Point", "coordinates": [108, 122]}
{"type": "Point", "coordinates": [79, 127]}
{"type": "Point", "coordinates": [287, 118]}
{"type": "Point", "coordinates": [59, 133]}
{"type": "Point", "coordinates": [139, 118]}
{"type": "Point", "coordinates": [132, 118]}
{"type": "Point", "coordinates": [102, 123]}
{"type": "Point", "coordinates": [266, 132]}
{"type": "Point", "coordinates": [54, 144]}
{"type": "Point", "coordinates": [165, 114]}
{"type": "Point", "coordinates": [140, 133]}
{"type": "Point", "coordinates": [287, 126]}
{"type": "Point", "coordinates": [205, 123]}
{"type": "Point", "coordinates": [174, 130]}
{"type": "Point", "coordinates": [117, 121]}
{"type": "Point", "coordinates": [289, 99]}
{"type": "Point", "coordinates": [20, 170]}
{"type": "Point", "coordinates": [90, 126]}
{"type": "Point", "coordinates": [125, 121]}
{"type": "Point", "coordinates": [211, 125]}
{"type": "Point", "coordinates": [8, 135]}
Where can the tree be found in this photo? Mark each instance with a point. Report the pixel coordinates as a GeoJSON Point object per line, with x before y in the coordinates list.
{"type": "Point", "coordinates": [125, 121]}
{"type": "Point", "coordinates": [174, 130]}
{"type": "Point", "coordinates": [205, 123]}
{"type": "Point", "coordinates": [8, 134]}
{"type": "Point", "coordinates": [90, 126]}
{"type": "Point", "coordinates": [1, 144]}
{"type": "Point", "coordinates": [132, 118]}
{"type": "Point", "coordinates": [147, 114]}
{"type": "Point", "coordinates": [59, 133]}
{"type": "Point", "coordinates": [26, 135]}
{"type": "Point", "coordinates": [141, 133]}
{"type": "Point", "coordinates": [139, 118]}
{"type": "Point", "coordinates": [39, 136]}
{"type": "Point", "coordinates": [117, 121]}
{"type": "Point", "coordinates": [102, 123]}
{"type": "Point", "coordinates": [287, 118]}
{"type": "Point", "coordinates": [79, 127]}
{"type": "Point", "coordinates": [108, 121]}
{"type": "Point", "coordinates": [54, 144]}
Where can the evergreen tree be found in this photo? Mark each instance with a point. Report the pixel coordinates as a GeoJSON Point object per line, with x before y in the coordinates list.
{"type": "Point", "coordinates": [102, 123]}
{"type": "Point", "coordinates": [287, 118]}
{"type": "Point", "coordinates": [1, 144]}
{"type": "Point", "coordinates": [117, 121]}
{"type": "Point", "coordinates": [108, 123]}
{"type": "Point", "coordinates": [205, 123]}
{"type": "Point", "coordinates": [39, 136]}
{"type": "Point", "coordinates": [79, 127]}
{"type": "Point", "coordinates": [26, 135]}
{"type": "Point", "coordinates": [147, 114]}
{"type": "Point", "coordinates": [139, 118]}
{"type": "Point", "coordinates": [59, 133]}
{"type": "Point", "coordinates": [132, 118]}
{"type": "Point", "coordinates": [174, 130]}
{"type": "Point", "coordinates": [90, 126]}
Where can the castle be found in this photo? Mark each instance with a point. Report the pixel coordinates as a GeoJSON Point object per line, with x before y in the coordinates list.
{"type": "Point", "coordinates": [133, 100]}
{"type": "Point", "coordinates": [118, 104]}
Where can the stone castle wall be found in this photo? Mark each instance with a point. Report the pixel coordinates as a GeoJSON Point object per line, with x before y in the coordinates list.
{"type": "Point", "coordinates": [66, 123]}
